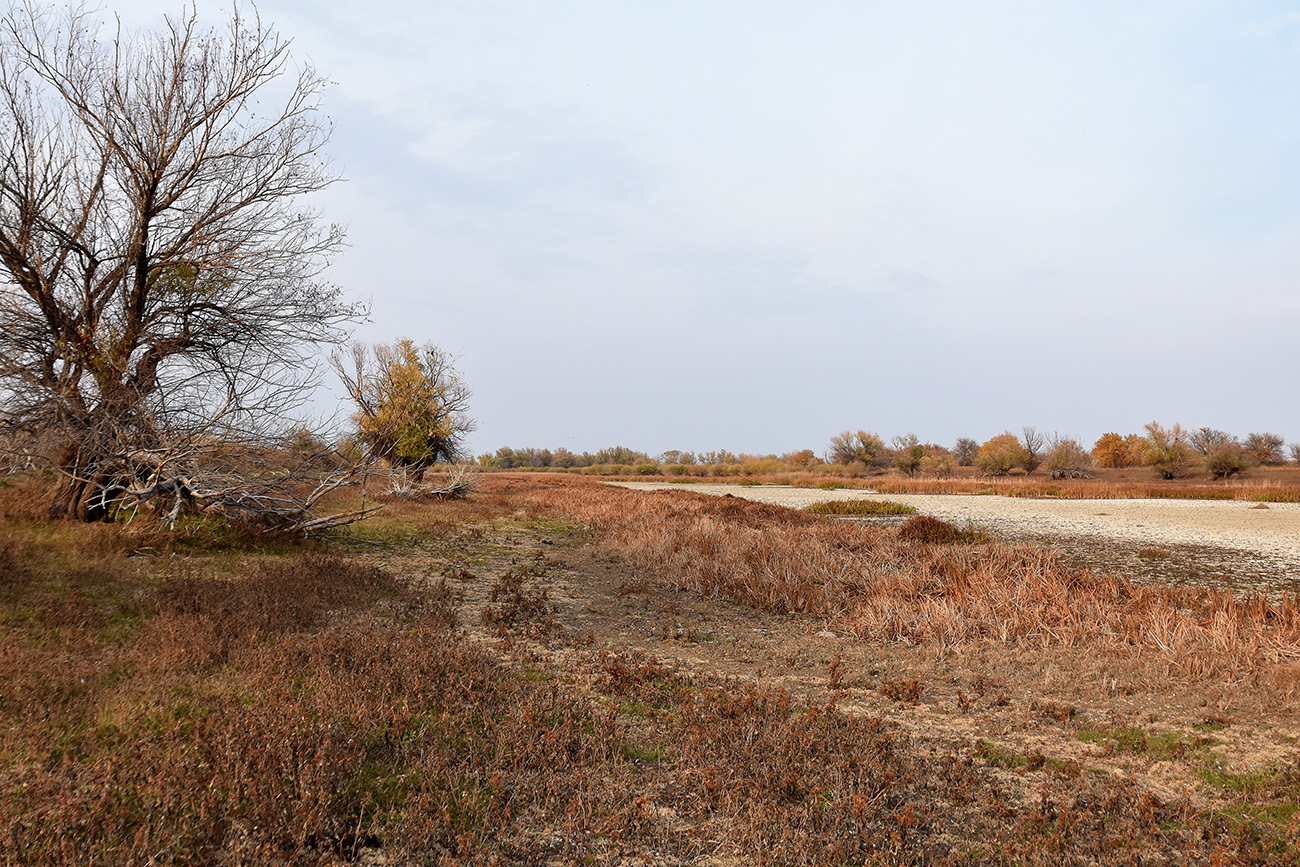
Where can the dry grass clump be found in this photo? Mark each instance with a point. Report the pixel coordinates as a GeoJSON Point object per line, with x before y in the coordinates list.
{"type": "Point", "coordinates": [513, 605]}
{"type": "Point", "coordinates": [876, 584]}
{"type": "Point", "coordinates": [924, 528]}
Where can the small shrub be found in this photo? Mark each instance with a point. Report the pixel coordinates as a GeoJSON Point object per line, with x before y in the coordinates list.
{"type": "Point", "coordinates": [514, 606]}
{"type": "Point", "coordinates": [903, 689]}
{"type": "Point", "coordinates": [1226, 461]}
{"type": "Point", "coordinates": [1067, 459]}
{"type": "Point", "coordinates": [924, 528]}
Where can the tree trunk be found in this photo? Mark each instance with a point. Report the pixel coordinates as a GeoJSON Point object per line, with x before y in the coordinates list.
{"type": "Point", "coordinates": [76, 498]}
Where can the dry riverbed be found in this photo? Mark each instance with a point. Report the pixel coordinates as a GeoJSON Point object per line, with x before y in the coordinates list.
{"type": "Point", "coordinates": [1219, 542]}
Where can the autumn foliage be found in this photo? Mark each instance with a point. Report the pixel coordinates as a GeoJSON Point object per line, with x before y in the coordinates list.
{"type": "Point", "coordinates": [411, 402]}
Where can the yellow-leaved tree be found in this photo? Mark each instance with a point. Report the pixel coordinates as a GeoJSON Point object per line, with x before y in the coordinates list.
{"type": "Point", "coordinates": [411, 403]}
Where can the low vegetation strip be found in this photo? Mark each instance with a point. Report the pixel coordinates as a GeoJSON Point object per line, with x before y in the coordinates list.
{"type": "Point", "coordinates": [1269, 535]}
{"type": "Point", "coordinates": [874, 583]}
{"type": "Point", "coordinates": [1027, 487]}
{"type": "Point", "coordinates": [860, 507]}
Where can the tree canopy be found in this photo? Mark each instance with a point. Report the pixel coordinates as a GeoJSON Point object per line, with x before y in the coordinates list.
{"type": "Point", "coordinates": [411, 402]}
{"type": "Point", "coordinates": [161, 277]}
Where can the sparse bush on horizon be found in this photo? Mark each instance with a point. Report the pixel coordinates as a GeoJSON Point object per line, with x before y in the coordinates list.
{"type": "Point", "coordinates": [1264, 448]}
{"type": "Point", "coordinates": [862, 447]}
{"type": "Point", "coordinates": [1115, 452]}
{"type": "Point", "coordinates": [1168, 452]}
{"type": "Point", "coordinates": [1226, 461]}
{"type": "Point", "coordinates": [964, 451]}
{"type": "Point", "coordinates": [908, 453]}
{"type": "Point", "coordinates": [937, 462]}
{"type": "Point", "coordinates": [857, 454]}
{"type": "Point", "coordinates": [1067, 459]}
{"type": "Point", "coordinates": [1034, 442]}
{"type": "Point", "coordinates": [1001, 454]}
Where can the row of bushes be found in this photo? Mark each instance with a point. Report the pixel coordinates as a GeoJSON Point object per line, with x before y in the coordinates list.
{"type": "Point", "coordinates": [1170, 452]}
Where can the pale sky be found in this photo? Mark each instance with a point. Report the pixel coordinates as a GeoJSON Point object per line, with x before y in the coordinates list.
{"type": "Point", "coordinates": [752, 225]}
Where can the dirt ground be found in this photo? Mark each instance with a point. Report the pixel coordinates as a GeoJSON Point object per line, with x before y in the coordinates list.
{"type": "Point", "coordinates": [1022, 712]}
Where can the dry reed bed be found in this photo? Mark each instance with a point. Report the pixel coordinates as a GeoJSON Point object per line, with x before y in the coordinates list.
{"type": "Point", "coordinates": [873, 584]}
{"type": "Point", "coordinates": [1031, 487]}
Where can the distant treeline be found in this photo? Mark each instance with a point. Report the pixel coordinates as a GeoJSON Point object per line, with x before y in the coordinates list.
{"type": "Point", "coordinates": [1171, 452]}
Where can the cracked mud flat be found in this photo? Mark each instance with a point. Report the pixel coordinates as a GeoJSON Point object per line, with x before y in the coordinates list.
{"type": "Point", "coordinates": [1214, 542]}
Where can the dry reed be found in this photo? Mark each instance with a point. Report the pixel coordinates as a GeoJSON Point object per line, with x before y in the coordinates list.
{"type": "Point", "coordinates": [874, 584]}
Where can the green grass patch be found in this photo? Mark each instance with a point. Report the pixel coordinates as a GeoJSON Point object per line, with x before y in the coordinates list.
{"type": "Point", "coordinates": [1276, 497]}
{"type": "Point", "coordinates": [1166, 745]}
{"type": "Point", "coordinates": [650, 754]}
{"type": "Point", "coordinates": [860, 507]}
{"type": "Point", "coordinates": [1000, 756]}
{"type": "Point", "coordinates": [830, 486]}
{"type": "Point", "coordinates": [637, 709]}
{"type": "Point", "coordinates": [1247, 783]}
{"type": "Point", "coordinates": [1279, 815]}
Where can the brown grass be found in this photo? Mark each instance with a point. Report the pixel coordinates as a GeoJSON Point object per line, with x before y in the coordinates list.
{"type": "Point", "coordinates": [302, 707]}
{"type": "Point", "coordinates": [1038, 487]}
{"type": "Point", "coordinates": [872, 582]}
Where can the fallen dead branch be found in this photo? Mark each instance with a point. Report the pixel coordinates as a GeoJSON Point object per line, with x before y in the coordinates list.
{"type": "Point", "coordinates": [239, 485]}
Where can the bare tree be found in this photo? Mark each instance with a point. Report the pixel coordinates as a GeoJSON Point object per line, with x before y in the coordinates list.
{"type": "Point", "coordinates": [964, 451]}
{"type": "Point", "coordinates": [1208, 440]}
{"type": "Point", "coordinates": [1066, 458]}
{"type": "Point", "coordinates": [162, 280]}
{"type": "Point", "coordinates": [1035, 442]}
{"type": "Point", "coordinates": [1265, 448]}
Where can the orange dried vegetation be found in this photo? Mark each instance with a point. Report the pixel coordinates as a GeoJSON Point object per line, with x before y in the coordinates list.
{"type": "Point", "coordinates": [874, 584]}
